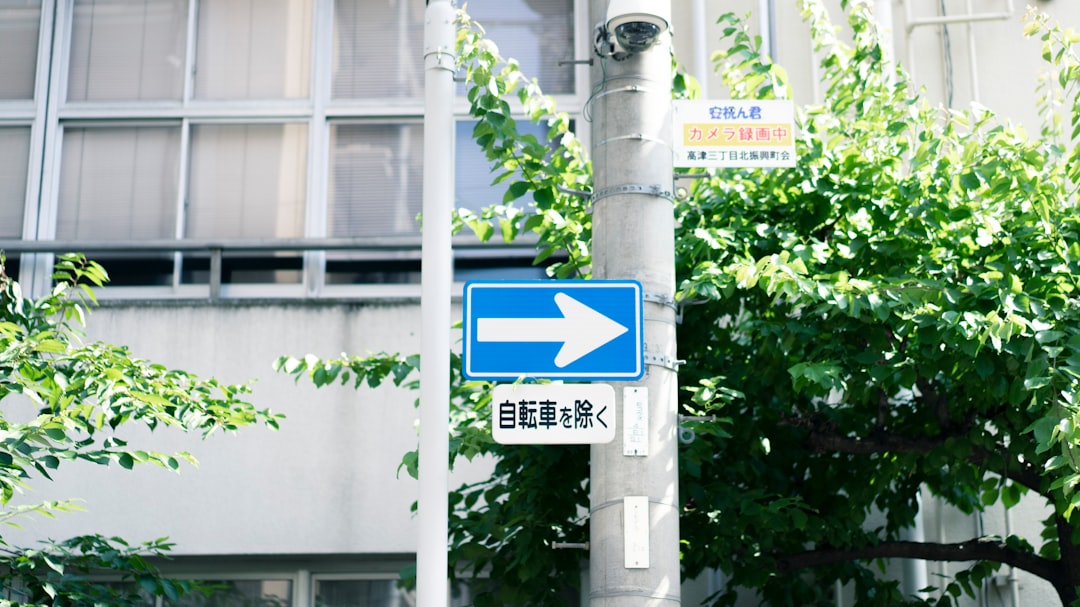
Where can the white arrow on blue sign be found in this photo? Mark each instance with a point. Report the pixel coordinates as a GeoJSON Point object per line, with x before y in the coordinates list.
{"type": "Point", "coordinates": [555, 329]}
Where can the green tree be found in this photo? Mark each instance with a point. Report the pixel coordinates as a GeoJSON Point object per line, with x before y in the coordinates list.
{"type": "Point", "coordinates": [65, 401]}
{"type": "Point", "coordinates": [899, 311]}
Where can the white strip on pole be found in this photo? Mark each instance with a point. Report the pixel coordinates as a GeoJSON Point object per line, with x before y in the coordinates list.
{"type": "Point", "coordinates": [435, 283]}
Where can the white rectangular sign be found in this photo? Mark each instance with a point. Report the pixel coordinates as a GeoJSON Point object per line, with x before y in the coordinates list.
{"type": "Point", "coordinates": [734, 133]}
{"type": "Point", "coordinates": [635, 421]}
{"type": "Point", "coordinates": [553, 414]}
{"type": "Point", "coordinates": [636, 532]}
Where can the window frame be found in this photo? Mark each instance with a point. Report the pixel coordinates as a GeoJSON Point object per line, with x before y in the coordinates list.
{"type": "Point", "coordinates": [50, 114]}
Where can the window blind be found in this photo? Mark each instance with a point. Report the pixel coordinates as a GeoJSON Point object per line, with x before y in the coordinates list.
{"type": "Point", "coordinates": [247, 181]}
{"type": "Point", "coordinates": [253, 49]}
{"type": "Point", "coordinates": [19, 21]}
{"type": "Point", "coordinates": [118, 183]}
{"type": "Point", "coordinates": [14, 158]}
{"type": "Point", "coordinates": [376, 180]}
{"type": "Point", "coordinates": [124, 50]}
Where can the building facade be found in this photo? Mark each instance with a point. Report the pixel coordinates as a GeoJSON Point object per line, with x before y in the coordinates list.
{"type": "Point", "coordinates": [201, 148]}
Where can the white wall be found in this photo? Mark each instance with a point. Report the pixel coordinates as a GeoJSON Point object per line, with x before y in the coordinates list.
{"type": "Point", "coordinates": [325, 483]}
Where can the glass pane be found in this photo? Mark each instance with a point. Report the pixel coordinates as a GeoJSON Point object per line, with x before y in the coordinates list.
{"type": "Point", "coordinates": [538, 33]}
{"type": "Point", "coordinates": [14, 157]}
{"type": "Point", "coordinates": [241, 593]}
{"type": "Point", "coordinates": [19, 21]}
{"type": "Point", "coordinates": [124, 593]}
{"type": "Point", "coordinates": [375, 179]}
{"type": "Point", "coordinates": [118, 183]}
{"type": "Point", "coordinates": [375, 593]}
{"type": "Point", "coordinates": [253, 49]}
{"type": "Point", "coordinates": [247, 181]}
{"type": "Point", "coordinates": [376, 49]}
{"type": "Point", "coordinates": [128, 50]}
{"type": "Point", "coordinates": [361, 593]}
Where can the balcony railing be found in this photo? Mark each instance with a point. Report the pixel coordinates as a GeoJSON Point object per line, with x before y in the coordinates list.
{"type": "Point", "coordinates": [312, 264]}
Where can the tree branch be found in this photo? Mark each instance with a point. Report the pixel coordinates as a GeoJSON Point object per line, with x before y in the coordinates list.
{"type": "Point", "coordinates": [822, 437]}
{"type": "Point", "coordinates": [979, 549]}
{"type": "Point", "coordinates": [1020, 472]}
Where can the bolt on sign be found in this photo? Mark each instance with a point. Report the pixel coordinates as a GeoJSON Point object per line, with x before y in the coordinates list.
{"type": "Point", "coordinates": [553, 414]}
{"type": "Point", "coordinates": [734, 133]}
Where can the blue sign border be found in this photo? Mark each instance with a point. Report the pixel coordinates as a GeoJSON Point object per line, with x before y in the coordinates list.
{"type": "Point", "coordinates": [619, 360]}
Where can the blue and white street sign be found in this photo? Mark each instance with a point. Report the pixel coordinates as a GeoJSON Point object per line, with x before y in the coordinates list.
{"type": "Point", "coordinates": [555, 329]}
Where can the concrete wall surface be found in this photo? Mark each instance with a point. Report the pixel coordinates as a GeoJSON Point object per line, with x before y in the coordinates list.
{"type": "Point", "coordinates": [326, 482]}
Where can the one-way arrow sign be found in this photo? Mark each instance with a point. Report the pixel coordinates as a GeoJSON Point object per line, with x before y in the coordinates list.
{"type": "Point", "coordinates": [558, 329]}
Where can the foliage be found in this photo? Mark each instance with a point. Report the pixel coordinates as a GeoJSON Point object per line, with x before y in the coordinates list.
{"type": "Point", "coordinates": [58, 573]}
{"type": "Point", "coordinates": [554, 172]}
{"type": "Point", "coordinates": [64, 401]}
{"type": "Point", "coordinates": [897, 312]}
{"type": "Point", "coordinates": [899, 307]}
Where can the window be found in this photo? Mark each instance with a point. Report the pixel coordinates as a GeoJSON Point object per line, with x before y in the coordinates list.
{"type": "Point", "coordinates": [472, 171]}
{"type": "Point", "coordinates": [244, 124]}
{"type": "Point", "coordinates": [14, 158]}
{"type": "Point", "coordinates": [240, 593]}
{"type": "Point", "coordinates": [374, 54]}
{"type": "Point", "coordinates": [127, 50]}
{"type": "Point", "coordinates": [253, 49]}
{"type": "Point", "coordinates": [361, 593]}
{"type": "Point", "coordinates": [19, 21]}
{"type": "Point", "coordinates": [525, 29]}
{"type": "Point", "coordinates": [118, 183]}
{"type": "Point", "coordinates": [373, 592]}
{"type": "Point", "coordinates": [247, 181]}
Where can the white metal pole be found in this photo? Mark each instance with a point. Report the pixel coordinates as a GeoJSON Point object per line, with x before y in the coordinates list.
{"type": "Point", "coordinates": [915, 577]}
{"type": "Point", "coordinates": [435, 285]}
{"type": "Point", "coordinates": [634, 492]}
{"type": "Point", "coordinates": [701, 49]}
{"type": "Point", "coordinates": [1014, 582]}
{"type": "Point", "coordinates": [883, 13]}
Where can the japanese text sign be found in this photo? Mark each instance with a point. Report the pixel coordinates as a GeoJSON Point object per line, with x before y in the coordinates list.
{"type": "Point", "coordinates": [734, 133]}
{"type": "Point", "coordinates": [553, 414]}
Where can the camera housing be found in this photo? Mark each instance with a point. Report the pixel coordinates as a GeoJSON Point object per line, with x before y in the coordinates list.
{"type": "Point", "coordinates": [636, 25]}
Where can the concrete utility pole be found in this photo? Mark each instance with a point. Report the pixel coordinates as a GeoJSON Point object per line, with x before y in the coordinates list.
{"type": "Point", "coordinates": [634, 539]}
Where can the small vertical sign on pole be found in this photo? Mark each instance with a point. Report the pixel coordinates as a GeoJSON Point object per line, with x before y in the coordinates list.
{"type": "Point", "coordinates": [636, 421]}
{"type": "Point", "coordinates": [636, 531]}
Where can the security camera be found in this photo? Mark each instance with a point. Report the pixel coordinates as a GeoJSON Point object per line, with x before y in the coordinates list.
{"type": "Point", "coordinates": [637, 24]}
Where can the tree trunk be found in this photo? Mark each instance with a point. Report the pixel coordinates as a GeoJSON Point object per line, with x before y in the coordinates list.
{"type": "Point", "coordinates": [1068, 578]}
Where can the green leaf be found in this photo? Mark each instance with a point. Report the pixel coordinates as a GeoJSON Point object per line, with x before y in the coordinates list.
{"type": "Point", "coordinates": [410, 463]}
{"type": "Point", "coordinates": [1010, 495]}
{"type": "Point", "coordinates": [125, 460]}
{"type": "Point", "coordinates": [55, 431]}
{"type": "Point", "coordinates": [515, 191]}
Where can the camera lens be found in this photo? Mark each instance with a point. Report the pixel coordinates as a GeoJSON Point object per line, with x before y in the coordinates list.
{"type": "Point", "coordinates": [636, 36]}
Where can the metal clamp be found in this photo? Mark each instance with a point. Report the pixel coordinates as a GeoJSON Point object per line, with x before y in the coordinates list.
{"type": "Point", "coordinates": [573, 192]}
{"type": "Point", "coordinates": [687, 434]}
{"type": "Point", "coordinates": [660, 298]}
{"type": "Point", "coordinates": [635, 137]}
{"type": "Point", "coordinates": [632, 88]}
{"type": "Point", "coordinates": [634, 188]}
{"type": "Point", "coordinates": [572, 545]}
{"type": "Point", "coordinates": [662, 360]}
